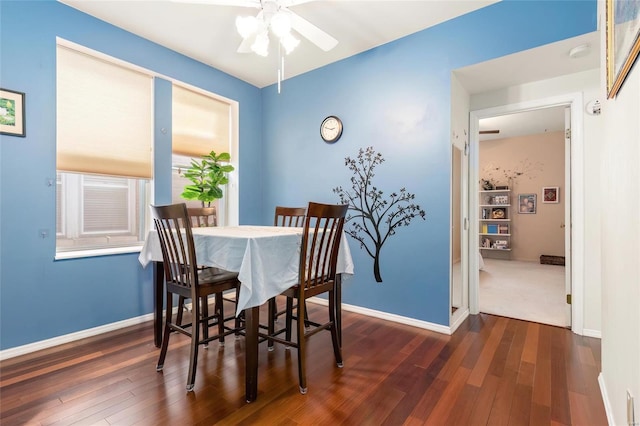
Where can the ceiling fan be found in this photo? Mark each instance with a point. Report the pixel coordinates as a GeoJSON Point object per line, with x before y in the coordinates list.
{"type": "Point", "coordinates": [273, 16]}
{"type": "Point", "coordinates": [489, 132]}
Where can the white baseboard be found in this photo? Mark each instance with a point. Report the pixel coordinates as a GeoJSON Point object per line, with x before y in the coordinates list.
{"type": "Point", "coordinates": [67, 338]}
{"type": "Point", "coordinates": [389, 317]}
{"type": "Point", "coordinates": [459, 321]}
{"type": "Point", "coordinates": [592, 333]}
{"type": "Point", "coordinates": [605, 399]}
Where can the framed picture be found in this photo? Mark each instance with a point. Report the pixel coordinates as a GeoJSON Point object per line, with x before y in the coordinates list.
{"type": "Point", "coordinates": [527, 203]}
{"type": "Point", "coordinates": [623, 41]}
{"type": "Point", "coordinates": [550, 194]}
{"type": "Point", "coordinates": [12, 113]}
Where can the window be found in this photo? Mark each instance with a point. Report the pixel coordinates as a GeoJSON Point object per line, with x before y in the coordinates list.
{"type": "Point", "coordinates": [99, 211]}
{"type": "Point", "coordinates": [201, 124]}
{"type": "Point", "coordinates": [104, 141]}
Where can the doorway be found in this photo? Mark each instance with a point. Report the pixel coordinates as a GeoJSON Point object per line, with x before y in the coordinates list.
{"type": "Point", "coordinates": [522, 159]}
{"type": "Point", "coordinates": [573, 199]}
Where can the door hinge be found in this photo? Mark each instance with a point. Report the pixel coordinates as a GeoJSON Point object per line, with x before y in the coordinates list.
{"type": "Point", "coordinates": [567, 133]}
{"type": "Point", "coordinates": [466, 148]}
{"type": "Point", "coordinates": [568, 299]}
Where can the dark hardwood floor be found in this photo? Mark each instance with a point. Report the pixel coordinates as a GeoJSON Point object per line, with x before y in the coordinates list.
{"type": "Point", "coordinates": [492, 371]}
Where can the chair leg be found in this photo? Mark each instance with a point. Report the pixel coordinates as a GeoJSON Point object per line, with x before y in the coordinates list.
{"type": "Point", "coordinates": [205, 318]}
{"type": "Point", "coordinates": [167, 332]}
{"type": "Point", "coordinates": [180, 310]}
{"type": "Point", "coordinates": [195, 339]}
{"type": "Point", "coordinates": [306, 316]}
{"type": "Point", "coordinates": [302, 362]}
{"type": "Point", "coordinates": [271, 326]}
{"type": "Point", "coordinates": [288, 318]}
{"type": "Point", "coordinates": [219, 309]}
{"type": "Point", "coordinates": [335, 337]}
{"type": "Point", "coordinates": [239, 318]}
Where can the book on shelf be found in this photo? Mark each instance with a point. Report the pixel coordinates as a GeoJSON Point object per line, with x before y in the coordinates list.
{"type": "Point", "coordinates": [484, 228]}
{"type": "Point", "coordinates": [492, 229]}
{"type": "Point", "coordinates": [503, 229]}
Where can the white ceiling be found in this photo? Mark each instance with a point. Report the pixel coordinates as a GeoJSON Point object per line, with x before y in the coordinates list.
{"type": "Point", "coordinates": [207, 33]}
{"type": "Point", "coordinates": [541, 63]}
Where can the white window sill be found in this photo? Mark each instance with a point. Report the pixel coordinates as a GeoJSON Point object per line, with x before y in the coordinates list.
{"type": "Point", "coordinates": [77, 254]}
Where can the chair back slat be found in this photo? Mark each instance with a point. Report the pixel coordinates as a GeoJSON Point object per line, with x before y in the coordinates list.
{"type": "Point", "coordinates": [320, 244]}
{"type": "Point", "coordinates": [202, 216]}
{"type": "Point", "coordinates": [289, 216]}
{"type": "Point", "coordinates": [176, 242]}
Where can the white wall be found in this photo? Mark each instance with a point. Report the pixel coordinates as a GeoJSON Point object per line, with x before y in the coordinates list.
{"type": "Point", "coordinates": [620, 248]}
{"type": "Point", "coordinates": [587, 82]}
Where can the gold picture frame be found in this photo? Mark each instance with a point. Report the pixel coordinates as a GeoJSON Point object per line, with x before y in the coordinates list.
{"type": "Point", "coordinates": [623, 41]}
{"type": "Point", "coordinates": [12, 113]}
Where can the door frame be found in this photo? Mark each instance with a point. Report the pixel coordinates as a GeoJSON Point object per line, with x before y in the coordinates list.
{"type": "Point", "coordinates": [576, 205]}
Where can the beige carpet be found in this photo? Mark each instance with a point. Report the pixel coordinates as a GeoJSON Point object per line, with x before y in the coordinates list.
{"type": "Point", "coordinates": [523, 290]}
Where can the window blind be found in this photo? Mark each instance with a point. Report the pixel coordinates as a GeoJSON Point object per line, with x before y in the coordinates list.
{"type": "Point", "coordinates": [104, 117]}
{"type": "Point", "coordinates": [200, 123]}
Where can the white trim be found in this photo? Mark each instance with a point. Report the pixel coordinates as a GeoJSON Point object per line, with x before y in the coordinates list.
{"type": "Point", "coordinates": [388, 317]}
{"type": "Point", "coordinates": [575, 101]}
{"type": "Point", "coordinates": [76, 254]}
{"type": "Point", "coordinates": [458, 320]}
{"type": "Point", "coordinates": [587, 332]}
{"type": "Point", "coordinates": [605, 399]}
{"type": "Point", "coordinates": [72, 337]}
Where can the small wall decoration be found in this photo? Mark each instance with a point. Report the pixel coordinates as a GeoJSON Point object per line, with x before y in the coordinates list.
{"type": "Point", "coordinates": [550, 194]}
{"type": "Point", "coordinates": [623, 41]}
{"type": "Point", "coordinates": [527, 203]}
{"type": "Point", "coordinates": [372, 217]}
{"type": "Point", "coordinates": [12, 113]}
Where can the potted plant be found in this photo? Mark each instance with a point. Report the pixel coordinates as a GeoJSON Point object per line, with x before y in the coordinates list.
{"type": "Point", "coordinates": [207, 176]}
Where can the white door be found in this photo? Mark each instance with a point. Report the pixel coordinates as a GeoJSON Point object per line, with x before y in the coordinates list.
{"type": "Point", "coordinates": [459, 294]}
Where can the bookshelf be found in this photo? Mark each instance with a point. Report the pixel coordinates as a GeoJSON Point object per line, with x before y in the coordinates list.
{"type": "Point", "coordinates": [495, 219]}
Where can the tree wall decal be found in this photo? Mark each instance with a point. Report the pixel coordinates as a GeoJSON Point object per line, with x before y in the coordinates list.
{"type": "Point", "coordinates": [374, 218]}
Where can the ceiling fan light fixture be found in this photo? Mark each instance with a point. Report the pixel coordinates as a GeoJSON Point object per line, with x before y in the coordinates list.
{"type": "Point", "coordinates": [281, 24]}
{"type": "Point", "coordinates": [289, 42]}
{"type": "Point", "coordinates": [246, 26]}
{"type": "Point", "coordinates": [261, 44]}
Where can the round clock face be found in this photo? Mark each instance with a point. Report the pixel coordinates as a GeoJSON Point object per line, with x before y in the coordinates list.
{"type": "Point", "coordinates": [331, 129]}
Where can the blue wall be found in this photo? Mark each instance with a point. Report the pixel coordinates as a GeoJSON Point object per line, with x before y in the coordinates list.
{"type": "Point", "coordinates": [41, 298]}
{"type": "Point", "coordinates": [395, 98]}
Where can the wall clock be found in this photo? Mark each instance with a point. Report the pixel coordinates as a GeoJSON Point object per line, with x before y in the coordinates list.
{"type": "Point", "coordinates": [331, 129]}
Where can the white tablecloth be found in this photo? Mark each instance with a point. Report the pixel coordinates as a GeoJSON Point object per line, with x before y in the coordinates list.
{"type": "Point", "coordinates": [265, 257]}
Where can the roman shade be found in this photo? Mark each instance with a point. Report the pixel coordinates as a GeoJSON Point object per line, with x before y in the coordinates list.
{"type": "Point", "coordinates": [201, 123]}
{"type": "Point", "coordinates": [105, 116]}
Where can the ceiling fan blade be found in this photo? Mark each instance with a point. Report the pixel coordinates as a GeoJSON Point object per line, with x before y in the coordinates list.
{"type": "Point", "coordinates": [489, 132]}
{"type": "Point", "coordinates": [314, 34]}
{"type": "Point", "coordinates": [245, 46]}
{"type": "Point", "coordinates": [240, 3]}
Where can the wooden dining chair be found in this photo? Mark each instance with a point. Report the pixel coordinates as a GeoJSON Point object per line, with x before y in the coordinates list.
{"type": "Point", "coordinates": [318, 257]}
{"type": "Point", "coordinates": [206, 217]}
{"type": "Point", "coordinates": [184, 278]}
{"type": "Point", "coordinates": [289, 217]}
{"type": "Point", "coordinates": [203, 216]}
{"type": "Point", "coordinates": [200, 217]}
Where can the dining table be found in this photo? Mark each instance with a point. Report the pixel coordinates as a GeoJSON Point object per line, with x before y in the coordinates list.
{"type": "Point", "coordinates": [266, 259]}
